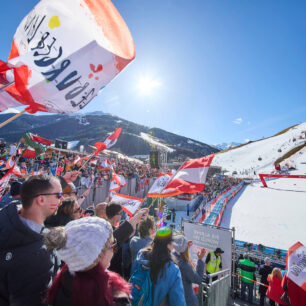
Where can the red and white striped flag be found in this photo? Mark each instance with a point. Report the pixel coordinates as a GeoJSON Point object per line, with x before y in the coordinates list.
{"type": "Point", "coordinates": [76, 159]}
{"type": "Point", "coordinates": [93, 162]}
{"type": "Point", "coordinates": [107, 164]}
{"type": "Point", "coordinates": [117, 182]}
{"type": "Point", "coordinates": [4, 181]}
{"type": "Point", "coordinates": [190, 177]}
{"type": "Point", "coordinates": [10, 162]}
{"type": "Point", "coordinates": [129, 204]}
{"type": "Point", "coordinates": [159, 184]}
{"type": "Point", "coordinates": [39, 139]}
{"type": "Point", "coordinates": [296, 264]}
{"type": "Point", "coordinates": [112, 139]}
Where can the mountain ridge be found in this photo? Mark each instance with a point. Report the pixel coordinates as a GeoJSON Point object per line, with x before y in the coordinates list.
{"type": "Point", "coordinates": [88, 128]}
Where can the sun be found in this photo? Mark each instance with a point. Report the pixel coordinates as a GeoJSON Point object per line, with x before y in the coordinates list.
{"type": "Point", "coordinates": [147, 85]}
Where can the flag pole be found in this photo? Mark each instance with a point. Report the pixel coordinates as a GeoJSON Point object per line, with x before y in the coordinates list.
{"type": "Point", "coordinates": [89, 158]}
{"type": "Point", "coordinates": [7, 85]}
{"type": "Point", "coordinates": [12, 118]}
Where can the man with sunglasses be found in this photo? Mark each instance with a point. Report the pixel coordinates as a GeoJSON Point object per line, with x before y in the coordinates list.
{"type": "Point", "coordinates": [26, 266]}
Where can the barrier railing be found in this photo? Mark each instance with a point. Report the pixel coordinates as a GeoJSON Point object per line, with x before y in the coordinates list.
{"type": "Point", "coordinates": [215, 211]}
{"type": "Point", "coordinates": [99, 194]}
{"type": "Point", "coordinates": [216, 292]}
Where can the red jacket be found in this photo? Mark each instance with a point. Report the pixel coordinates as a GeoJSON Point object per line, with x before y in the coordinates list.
{"type": "Point", "coordinates": [275, 290]}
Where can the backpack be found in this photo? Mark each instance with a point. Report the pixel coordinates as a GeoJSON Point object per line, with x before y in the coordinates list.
{"type": "Point", "coordinates": [141, 284]}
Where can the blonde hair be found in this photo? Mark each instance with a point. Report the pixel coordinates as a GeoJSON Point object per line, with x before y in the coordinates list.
{"type": "Point", "coordinates": [186, 256]}
{"type": "Point", "coordinates": [277, 272]}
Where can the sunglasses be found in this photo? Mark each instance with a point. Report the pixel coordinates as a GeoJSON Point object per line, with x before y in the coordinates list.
{"type": "Point", "coordinates": [57, 194]}
{"type": "Point", "coordinates": [113, 246]}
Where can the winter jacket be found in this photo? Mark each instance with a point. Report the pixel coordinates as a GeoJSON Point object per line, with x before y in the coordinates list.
{"type": "Point", "coordinates": [64, 294]}
{"type": "Point", "coordinates": [275, 290]}
{"type": "Point", "coordinates": [168, 287]}
{"type": "Point", "coordinates": [26, 267]}
{"type": "Point", "coordinates": [247, 269]}
{"type": "Point", "coordinates": [264, 271]}
{"type": "Point", "coordinates": [137, 243]}
{"type": "Point", "coordinates": [189, 277]}
{"type": "Point", "coordinates": [121, 234]}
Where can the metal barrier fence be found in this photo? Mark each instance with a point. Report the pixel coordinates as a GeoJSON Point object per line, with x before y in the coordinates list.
{"type": "Point", "coordinates": [99, 194]}
{"type": "Point", "coordinates": [216, 292]}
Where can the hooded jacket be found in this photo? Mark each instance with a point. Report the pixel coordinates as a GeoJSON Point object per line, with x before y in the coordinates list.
{"type": "Point", "coordinates": [26, 267]}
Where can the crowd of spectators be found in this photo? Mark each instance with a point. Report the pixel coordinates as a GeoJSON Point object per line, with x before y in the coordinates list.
{"type": "Point", "coordinates": [217, 184]}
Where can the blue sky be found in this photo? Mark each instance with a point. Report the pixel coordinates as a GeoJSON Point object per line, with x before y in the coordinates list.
{"type": "Point", "coordinates": [226, 70]}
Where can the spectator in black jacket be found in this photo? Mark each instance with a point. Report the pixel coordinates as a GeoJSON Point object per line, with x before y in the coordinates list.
{"type": "Point", "coordinates": [26, 267]}
{"type": "Point", "coordinates": [264, 271]}
{"type": "Point", "coordinates": [122, 232]}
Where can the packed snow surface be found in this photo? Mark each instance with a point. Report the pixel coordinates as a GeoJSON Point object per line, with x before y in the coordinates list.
{"type": "Point", "coordinates": [154, 142]}
{"type": "Point", "coordinates": [273, 216]}
{"type": "Point", "coordinates": [259, 156]}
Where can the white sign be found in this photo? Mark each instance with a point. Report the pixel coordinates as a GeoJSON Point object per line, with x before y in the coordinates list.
{"type": "Point", "coordinates": [209, 238]}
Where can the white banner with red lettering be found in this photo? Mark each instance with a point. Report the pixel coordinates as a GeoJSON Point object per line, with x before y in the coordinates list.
{"type": "Point", "coordinates": [63, 53]}
{"type": "Point", "coordinates": [296, 264]}
{"type": "Point", "coordinates": [129, 204]}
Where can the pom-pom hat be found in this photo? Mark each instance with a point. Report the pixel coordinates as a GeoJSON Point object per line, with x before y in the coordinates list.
{"type": "Point", "coordinates": [85, 240]}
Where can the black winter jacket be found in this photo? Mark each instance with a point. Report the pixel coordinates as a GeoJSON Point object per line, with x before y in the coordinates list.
{"type": "Point", "coordinates": [264, 271]}
{"type": "Point", "coordinates": [26, 267]}
{"type": "Point", "coordinates": [121, 234]}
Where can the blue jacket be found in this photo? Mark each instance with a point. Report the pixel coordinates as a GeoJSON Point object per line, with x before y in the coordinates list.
{"type": "Point", "coordinates": [169, 286]}
{"type": "Point", "coordinates": [137, 244]}
{"type": "Point", "coordinates": [189, 277]}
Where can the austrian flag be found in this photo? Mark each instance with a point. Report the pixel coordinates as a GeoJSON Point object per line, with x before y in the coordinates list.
{"type": "Point", "coordinates": [112, 139]}
{"type": "Point", "coordinates": [159, 184]}
{"type": "Point", "coordinates": [190, 177]}
{"type": "Point", "coordinates": [129, 204]}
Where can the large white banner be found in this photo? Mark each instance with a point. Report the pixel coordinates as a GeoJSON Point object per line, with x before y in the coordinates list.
{"type": "Point", "coordinates": [209, 238]}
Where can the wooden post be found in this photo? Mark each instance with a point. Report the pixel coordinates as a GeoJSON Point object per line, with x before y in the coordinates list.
{"type": "Point", "coordinates": [12, 118]}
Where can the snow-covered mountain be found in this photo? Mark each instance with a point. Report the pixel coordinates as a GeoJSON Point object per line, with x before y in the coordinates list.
{"type": "Point", "coordinates": [259, 156]}
{"type": "Point", "coordinates": [227, 145]}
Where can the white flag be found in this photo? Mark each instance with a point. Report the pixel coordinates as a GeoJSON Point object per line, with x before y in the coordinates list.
{"type": "Point", "coordinates": [129, 204]}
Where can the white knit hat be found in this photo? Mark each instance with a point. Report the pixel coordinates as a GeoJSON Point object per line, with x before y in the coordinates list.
{"type": "Point", "coordinates": [85, 239]}
{"type": "Point", "coordinates": [180, 243]}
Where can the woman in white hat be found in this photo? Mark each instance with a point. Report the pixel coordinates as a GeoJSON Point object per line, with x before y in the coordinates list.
{"type": "Point", "coordinates": [190, 275]}
{"type": "Point", "coordinates": [86, 246]}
